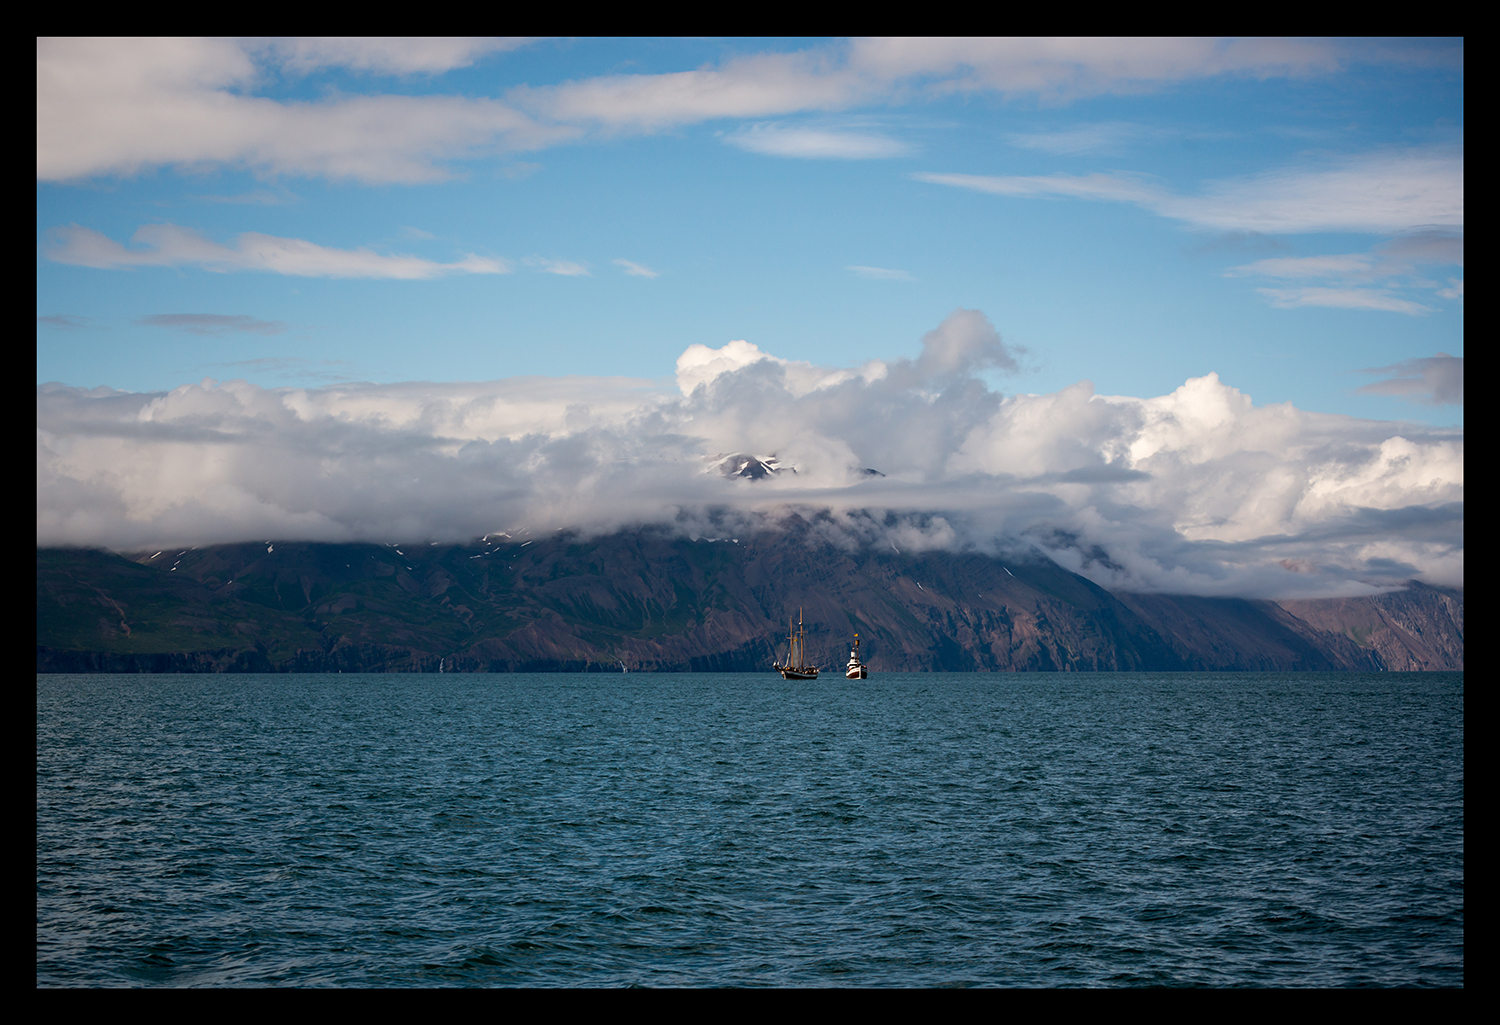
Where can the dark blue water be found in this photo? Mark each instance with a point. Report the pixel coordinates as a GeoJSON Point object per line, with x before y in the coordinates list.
{"type": "Point", "coordinates": [708, 830]}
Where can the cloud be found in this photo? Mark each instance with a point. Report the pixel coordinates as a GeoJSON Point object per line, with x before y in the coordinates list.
{"type": "Point", "coordinates": [881, 273]}
{"type": "Point", "coordinates": [1348, 265]}
{"type": "Point", "coordinates": [167, 245]}
{"type": "Point", "coordinates": [566, 268]}
{"type": "Point", "coordinates": [390, 56]}
{"type": "Point", "coordinates": [121, 106]}
{"type": "Point", "coordinates": [869, 71]}
{"type": "Point", "coordinates": [636, 270]}
{"type": "Point", "coordinates": [1093, 139]}
{"type": "Point", "coordinates": [1435, 380]}
{"type": "Point", "coordinates": [1374, 193]}
{"type": "Point", "coordinates": [1342, 299]}
{"type": "Point", "coordinates": [1415, 194]}
{"type": "Point", "coordinates": [1199, 491]}
{"type": "Point", "coordinates": [213, 323]}
{"type": "Point", "coordinates": [810, 143]}
{"type": "Point", "coordinates": [65, 322]}
{"type": "Point", "coordinates": [1348, 276]}
{"type": "Point", "coordinates": [257, 197]}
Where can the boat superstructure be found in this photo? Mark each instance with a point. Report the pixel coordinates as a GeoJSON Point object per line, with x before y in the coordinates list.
{"type": "Point", "coordinates": [796, 667]}
{"type": "Point", "coordinates": [856, 670]}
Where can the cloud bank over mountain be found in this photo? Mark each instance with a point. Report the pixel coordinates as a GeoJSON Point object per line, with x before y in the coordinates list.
{"type": "Point", "coordinates": [1199, 491]}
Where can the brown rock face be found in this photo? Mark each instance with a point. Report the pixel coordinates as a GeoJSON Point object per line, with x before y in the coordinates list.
{"type": "Point", "coordinates": [647, 601]}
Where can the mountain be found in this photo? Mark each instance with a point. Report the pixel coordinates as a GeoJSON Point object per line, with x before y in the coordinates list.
{"type": "Point", "coordinates": [646, 600]}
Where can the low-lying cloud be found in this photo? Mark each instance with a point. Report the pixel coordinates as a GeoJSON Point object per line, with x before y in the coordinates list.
{"type": "Point", "coordinates": [1199, 491]}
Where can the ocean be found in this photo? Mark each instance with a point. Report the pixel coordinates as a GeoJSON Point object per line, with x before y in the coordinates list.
{"type": "Point", "coordinates": [692, 830]}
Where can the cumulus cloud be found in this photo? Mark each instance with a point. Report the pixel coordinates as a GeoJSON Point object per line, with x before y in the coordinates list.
{"type": "Point", "coordinates": [1199, 491]}
{"type": "Point", "coordinates": [1436, 380]}
{"type": "Point", "coordinates": [167, 245]}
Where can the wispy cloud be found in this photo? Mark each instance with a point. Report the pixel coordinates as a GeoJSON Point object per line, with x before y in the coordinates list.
{"type": "Point", "coordinates": [1095, 139]}
{"type": "Point", "coordinates": [1347, 265]}
{"type": "Point", "coordinates": [881, 273]}
{"type": "Point", "coordinates": [1435, 380]}
{"type": "Point", "coordinates": [66, 322]}
{"type": "Point", "coordinates": [1377, 193]}
{"type": "Point", "coordinates": [566, 268]}
{"type": "Point", "coordinates": [120, 106]}
{"type": "Point", "coordinates": [1342, 298]}
{"type": "Point", "coordinates": [256, 197]}
{"type": "Point", "coordinates": [816, 143]}
{"type": "Point", "coordinates": [167, 245]}
{"type": "Point", "coordinates": [1392, 265]}
{"type": "Point", "coordinates": [636, 270]}
{"type": "Point", "coordinates": [214, 323]}
{"type": "Point", "coordinates": [427, 55]}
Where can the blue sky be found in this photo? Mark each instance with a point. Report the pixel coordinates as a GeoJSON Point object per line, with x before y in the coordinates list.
{"type": "Point", "coordinates": [306, 214]}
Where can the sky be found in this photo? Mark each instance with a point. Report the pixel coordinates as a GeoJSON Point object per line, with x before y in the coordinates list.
{"type": "Point", "coordinates": [1185, 314]}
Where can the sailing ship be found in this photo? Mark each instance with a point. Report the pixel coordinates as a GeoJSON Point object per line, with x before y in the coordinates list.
{"type": "Point", "coordinates": [796, 667]}
{"type": "Point", "coordinates": [856, 670]}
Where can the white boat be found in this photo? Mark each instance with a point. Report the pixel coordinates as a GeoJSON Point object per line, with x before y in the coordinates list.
{"type": "Point", "coordinates": [856, 670]}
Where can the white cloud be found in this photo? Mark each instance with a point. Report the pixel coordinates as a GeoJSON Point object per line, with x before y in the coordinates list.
{"type": "Point", "coordinates": [1072, 67]}
{"type": "Point", "coordinates": [565, 268]}
{"type": "Point", "coordinates": [167, 245]}
{"type": "Point", "coordinates": [1353, 273]}
{"type": "Point", "coordinates": [428, 55]}
{"type": "Point", "coordinates": [1199, 491]}
{"type": "Point", "coordinates": [1376, 193]}
{"type": "Point", "coordinates": [812, 143]}
{"type": "Point", "coordinates": [119, 106]}
{"type": "Point", "coordinates": [1343, 299]}
{"type": "Point", "coordinates": [1093, 139]}
{"type": "Point", "coordinates": [1347, 265]}
{"type": "Point", "coordinates": [636, 270]}
{"type": "Point", "coordinates": [881, 273]}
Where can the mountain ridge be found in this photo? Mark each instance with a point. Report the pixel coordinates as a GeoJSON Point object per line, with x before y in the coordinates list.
{"type": "Point", "coordinates": [647, 601]}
